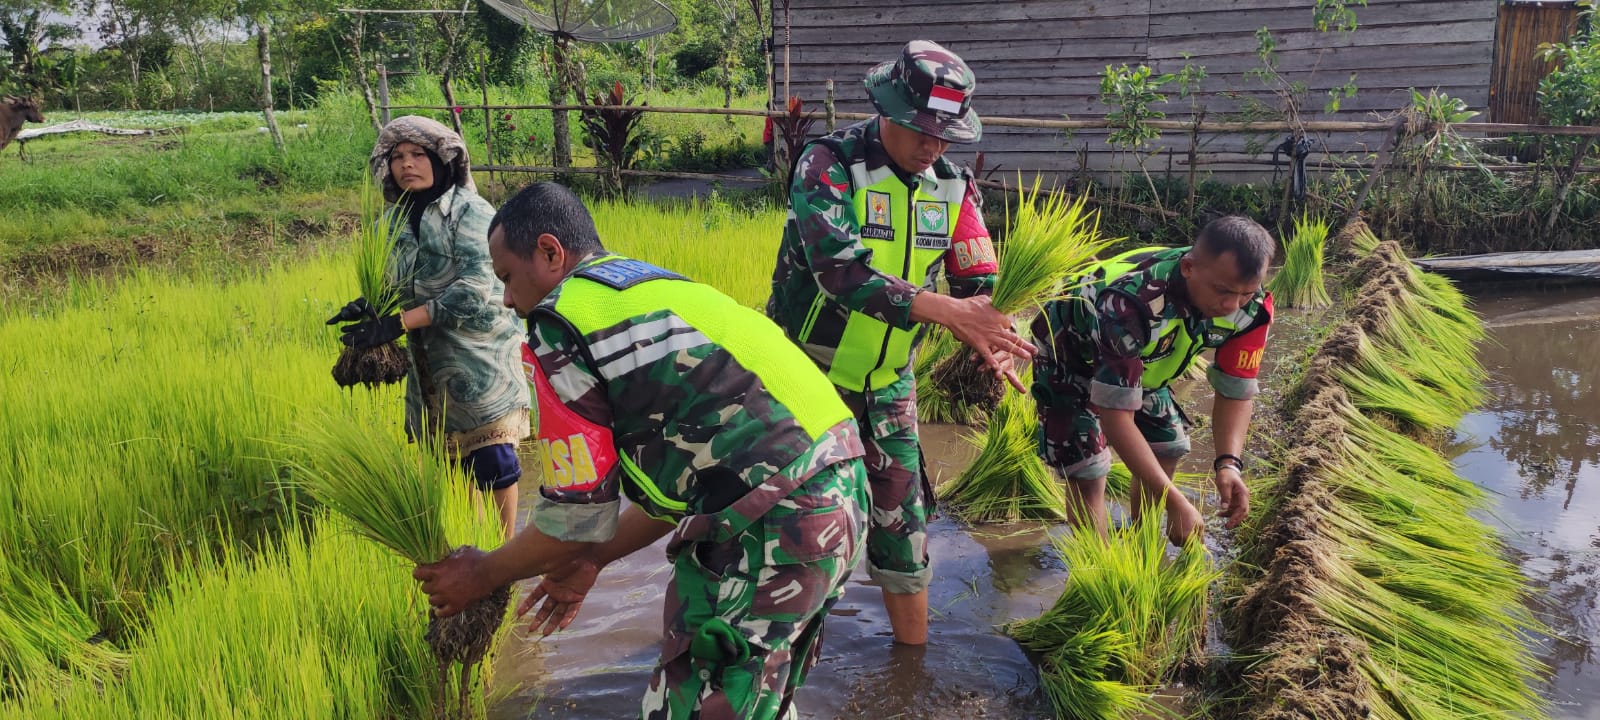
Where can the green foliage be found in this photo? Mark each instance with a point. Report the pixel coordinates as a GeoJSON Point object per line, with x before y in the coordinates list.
{"type": "Point", "coordinates": [1570, 94]}
{"type": "Point", "coordinates": [1335, 15]}
{"type": "Point", "coordinates": [1132, 92]}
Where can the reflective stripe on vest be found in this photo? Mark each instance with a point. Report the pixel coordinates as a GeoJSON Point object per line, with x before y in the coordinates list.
{"type": "Point", "coordinates": [755, 342]}
{"type": "Point", "coordinates": [1172, 348]}
{"type": "Point", "coordinates": [907, 234]}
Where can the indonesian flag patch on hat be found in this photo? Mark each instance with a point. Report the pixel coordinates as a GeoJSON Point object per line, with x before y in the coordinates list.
{"type": "Point", "coordinates": [929, 89]}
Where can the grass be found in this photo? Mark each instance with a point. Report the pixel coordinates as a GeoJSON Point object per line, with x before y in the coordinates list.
{"type": "Point", "coordinates": [1125, 617]}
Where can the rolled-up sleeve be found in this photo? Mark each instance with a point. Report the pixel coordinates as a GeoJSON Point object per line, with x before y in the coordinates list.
{"type": "Point", "coordinates": [574, 513]}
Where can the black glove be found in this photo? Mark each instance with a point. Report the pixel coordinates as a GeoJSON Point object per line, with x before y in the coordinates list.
{"type": "Point", "coordinates": [357, 309]}
{"type": "Point", "coordinates": [372, 333]}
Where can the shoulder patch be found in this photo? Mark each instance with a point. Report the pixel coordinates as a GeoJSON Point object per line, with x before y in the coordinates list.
{"type": "Point", "coordinates": [624, 274]}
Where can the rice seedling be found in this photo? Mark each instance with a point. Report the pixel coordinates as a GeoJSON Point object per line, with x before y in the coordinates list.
{"type": "Point", "coordinates": [1126, 615]}
{"type": "Point", "coordinates": [1048, 243]}
{"type": "Point", "coordinates": [1007, 481]}
{"type": "Point", "coordinates": [713, 241]}
{"type": "Point", "coordinates": [322, 624]}
{"type": "Point", "coordinates": [395, 496]}
{"type": "Point", "coordinates": [934, 401]}
{"type": "Point", "coordinates": [1299, 283]}
{"type": "Point", "coordinates": [380, 288]}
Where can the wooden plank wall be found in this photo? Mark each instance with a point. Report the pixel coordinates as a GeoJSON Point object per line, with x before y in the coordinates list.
{"type": "Point", "coordinates": [1514, 83]}
{"type": "Point", "coordinates": [1044, 59]}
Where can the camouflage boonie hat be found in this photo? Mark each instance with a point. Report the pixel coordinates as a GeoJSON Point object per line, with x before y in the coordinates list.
{"type": "Point", "coordinates": [929, 89]}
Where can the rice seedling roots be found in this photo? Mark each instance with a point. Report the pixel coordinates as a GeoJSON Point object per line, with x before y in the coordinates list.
{"type": "Point", "coordinates": [466, 636]}
{"type": "Point", "coordinates": [464, 639]}
{"type": "Point", "coordinates": [381, 365]}
{"type": "Point", "coordinates": [967, 382]}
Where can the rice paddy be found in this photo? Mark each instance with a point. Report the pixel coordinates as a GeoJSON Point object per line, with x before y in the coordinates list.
{"type": "Point", "coordinates": [161, 553]}
{"type": "Point", "coordinates": [168, 552]}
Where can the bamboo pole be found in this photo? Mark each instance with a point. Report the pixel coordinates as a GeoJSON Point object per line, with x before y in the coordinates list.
{"type": "Point", "coordinates": [1087, 198]}
{"type": "Point", "coordinates": [383, 92]}
{"type": "Point", "coordinates": [603, 171]}
{"type": "Point", "coordinates": [488, 122]}
{"type": "Point", "coordinates": [1099, 124]}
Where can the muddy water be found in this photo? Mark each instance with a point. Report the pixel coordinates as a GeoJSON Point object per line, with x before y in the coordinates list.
{"type": "Point", "coordinates": [1536, 447]}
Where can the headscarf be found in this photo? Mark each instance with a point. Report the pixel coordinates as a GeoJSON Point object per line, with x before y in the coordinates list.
{"type": "Point", "coordinates": [443, 145]}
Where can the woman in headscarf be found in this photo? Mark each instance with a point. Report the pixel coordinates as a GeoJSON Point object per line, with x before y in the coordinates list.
{"type": "Point", "coordinates": [466, 373]}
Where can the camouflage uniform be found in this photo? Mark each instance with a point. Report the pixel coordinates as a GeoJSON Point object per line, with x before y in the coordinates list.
{"type": "Point", "coordinates": [1117, 341]}
{"type": "Point", "coordinates": [769, 500]}
{"type": "Point", "coordinates": [824, 276]}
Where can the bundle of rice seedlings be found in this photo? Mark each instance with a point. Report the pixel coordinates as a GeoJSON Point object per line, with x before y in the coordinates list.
{"type": "Point", "coordinates": [1298, 283]}
{"type": "Point", "coordinates": [1355, 239]}
{"type": "Point", "coordinates": [375, 237]}
{"type": "Point", "coordinates": [1126, 616]}
{"type": "Point", "coordinates": [1007, 481]}
{"type": "Point", "coordinates": [1049, 243]}
{"type": "Point", "coordinates": [399, 497]}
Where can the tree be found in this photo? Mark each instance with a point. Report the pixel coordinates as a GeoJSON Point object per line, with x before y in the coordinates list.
{"type": "Point", "coordinates": [133, 26]}
{"type": "Point", "coordinates": [25, 33]}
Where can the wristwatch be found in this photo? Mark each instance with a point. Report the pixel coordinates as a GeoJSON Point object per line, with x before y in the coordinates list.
{"type": "Point", "coordinates": [1228, 459]}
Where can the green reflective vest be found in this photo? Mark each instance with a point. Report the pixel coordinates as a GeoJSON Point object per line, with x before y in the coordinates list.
{"type": "Point", "coordinates": [908, 230]}
{"type": "Point", "coordinates": [1174, 341]}
{"type": "Point", "coordinates": [615, 290]}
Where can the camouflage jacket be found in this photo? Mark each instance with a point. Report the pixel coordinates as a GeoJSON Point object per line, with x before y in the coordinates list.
{"type": "Point", "coordinates": [1104, 330]}
{"type": "Point", "coordinates": [822, 250]}
{"type": "Point", "coordinates": [471, 350]}
{"type": "Point", "coordinates": [682, 409]}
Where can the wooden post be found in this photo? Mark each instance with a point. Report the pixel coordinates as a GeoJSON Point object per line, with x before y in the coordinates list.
{"type": "Point", "coordinates": [488, 122]}
{"type": "Point", "coordinates": [450, 99]}
{"type": "Point", "coordinates": [1566, 184]}
{"type": "Point", "coordinates": [383, 92]}
{"type": "Point", "coordinates": [1194, 142]}
{"type": "Point", "coordinates": [827, 104]}
{"type": "Point", "coordinates": [1377, 170]}
{"type": "Point", "coordinates": [787, 36]}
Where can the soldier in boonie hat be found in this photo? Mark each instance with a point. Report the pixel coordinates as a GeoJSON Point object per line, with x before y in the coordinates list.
{"type": "Point", "coordinates": [929, 89]}
{"type": "Point", "coordinates": [876, 214]}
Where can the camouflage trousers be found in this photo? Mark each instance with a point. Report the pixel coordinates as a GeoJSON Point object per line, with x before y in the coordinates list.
{"type": "Point", "coordinates": [1071, 441]}
{"type": "Point", "coordinates": [897, 537]}
{"type": "Point", "coordinates": [743, 618]}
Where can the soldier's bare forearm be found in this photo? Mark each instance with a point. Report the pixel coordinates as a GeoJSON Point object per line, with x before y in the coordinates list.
{"type": "Point", "coordinates": [1124, 437]}
{"type": "Point", "coordinates": [527, 554]}
{"type": "Point", "coordinates": [1230, 420]}
{"type": "Point", "coordinates": [636, 531]}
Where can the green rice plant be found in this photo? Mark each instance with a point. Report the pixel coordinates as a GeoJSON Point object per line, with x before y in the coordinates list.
{"type": "Point", "coordinates": [1007, 481]}
{"type": "Point", "coordinates": [712, 241]}
{"type": "Point", "coordinates": [934, 401]}
{"type": "Point", "coordinates": [46, 639]}
{"type": "Point", "coordinates": [322, 624]}
{"type": "Point", "coordinates": [1299, 282]}
{"type": "Point", "coordinates": [1377, 387]}
{"type": "Point", "coordinates": [1126, 615]}
{"type": "Point", "coordinates": [391, 495]}
{"type": "Point", "coordinates": [395, 495]}
{"type": "Point", "coordinates": [376, 234]}
{"type": "Point", "coordinates": [1049, 242]}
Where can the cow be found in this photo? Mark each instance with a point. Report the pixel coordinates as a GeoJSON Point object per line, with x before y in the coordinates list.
{"type": "Point", "coordinates": [15, 111]}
